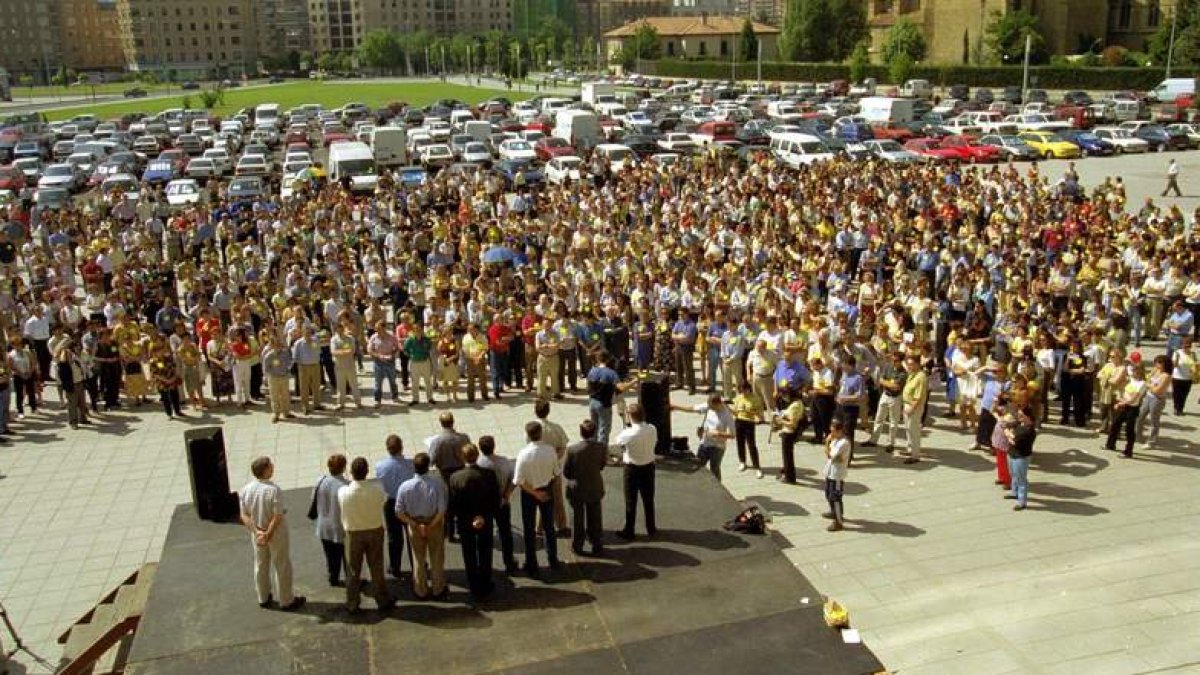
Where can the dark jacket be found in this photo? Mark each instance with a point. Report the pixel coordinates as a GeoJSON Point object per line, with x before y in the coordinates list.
{"type": "Point", "coordinates": [585, 461]}
{"type": "Point", "coordinates": [474, 491]}
{"type": "Point", "coordinates": [66, 375]}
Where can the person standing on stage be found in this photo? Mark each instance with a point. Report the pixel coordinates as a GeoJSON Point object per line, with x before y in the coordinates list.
{"type": "Point", "coordinates": [329, 517]}
{"type": "Point", "coordinates": [638, 441]}
{"type": "Point", "coordinates": [392, 472]}
{"type": "Point", "coordinates": [503, 467]}
{"type": "Point", "coordinates": [421, 504]}
{"type": "Point", "coordinates": [537, 467]}
{"type": "Point", "coordinates": [474, 500]}
{"type": "Point", "coordinates": [262, 514]}
{"type": "Point", "coordinates": [585, 488]}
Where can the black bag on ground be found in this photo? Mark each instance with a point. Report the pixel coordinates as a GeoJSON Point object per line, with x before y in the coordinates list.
{"type": "Point", "coordinates": [750, 521]}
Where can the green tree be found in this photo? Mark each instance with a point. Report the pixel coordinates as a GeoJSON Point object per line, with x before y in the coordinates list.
{"type": "Point", "coordinates": [1006, 37]}
{"type": "Point", "coordinates": [644, 44]}
{"type": "Point", "coordinates": [904, 38]}
{"type": "Point", "coordinates": [381, 50]}
{"type": "Point", "coordinates": [859, 60]}
{"type": "Point", "coordinates": [1186, 55]}
{"type": "Point", "coordinates": [900, 68]}
{"type": "Point", "coordinates": [587, 50]}
{"type": "Point", "coordinates": [26, 80]}
{"type": "Point", "coordinates": [748, 42]}
{"type": "Point", "coordinates": [807, 30]}
{"type": "Point", "coordinates": [849, 28]}
{"type": "Point", "coordinates": [211, 98]}
{"type": "Point", "coordinates": [82, 78]}
{"type": "Point", "coordinates": [59, 78]}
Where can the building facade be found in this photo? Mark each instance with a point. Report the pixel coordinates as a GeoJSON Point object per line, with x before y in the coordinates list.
{"type": "Point", "coordinates": [283, 27]}
{"type": "Point", "coordinates": [190, 37]}
{"type": "Point", "coordinates": [955, 30]}
{"type": "Point", "coordinates": [30, 31]}
{"type": "Point", "coordinates": [341, 25]}
{"type": "Point", "coordinates": [91, 35]}
{"type": "Point", "coordinates": [708, 37]}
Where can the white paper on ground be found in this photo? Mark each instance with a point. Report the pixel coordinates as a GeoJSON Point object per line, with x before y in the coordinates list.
{"type": "Point", "coordinates": [850, 636]}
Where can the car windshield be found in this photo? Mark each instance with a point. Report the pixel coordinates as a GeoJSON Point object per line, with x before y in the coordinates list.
{"type": "Point", "coordinates": [889, 146]}
{"type": "Point", "coordinates": [59, 170]}
{"type": "Point", "coordinates": [182, 189]}
{"type": "Point", "coordinates": [518, 145]}
{"type": "Point", "coordinates": [357, 167]}
{"type": "Point", "coordinates": [619, 154]}
{"type": "Point", "coordinates": [244, 185]}
{"type": "Point", "coordinates": [159, 166]}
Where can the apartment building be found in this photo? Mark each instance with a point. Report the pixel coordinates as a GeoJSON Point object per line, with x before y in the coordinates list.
{"type": "Point", "coordinates": [190, 37]}
{"type": "Point", "coordinates": [30, 31]}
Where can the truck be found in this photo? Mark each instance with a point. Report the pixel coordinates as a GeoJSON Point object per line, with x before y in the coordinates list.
{"type": "Point", "coordinates": [877, 109]}
{"type": "Point", "coordinates": [353, 163]}
{"type": "Point", "coordinates": [580, 128]}
{"type": "Point", "coordinates": [598, 92]}
{"type": "Point", "coordinates": [390, 146]}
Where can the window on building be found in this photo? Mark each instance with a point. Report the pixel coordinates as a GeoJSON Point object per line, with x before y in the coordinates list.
{"type": "Point", "coordinates": [882, 6]}
{"type": "Point", "coordinates": [235, 40]}
{"type": "Point", "coordinates": [703, 48]}
{"type": "Point", "coordinates": [1154, 14]}
{"type": "Point", "coordinates": [1125, 14]}
{"type": "Point", "coordinates": [233, 10]}
{"type": "Point", "coordinates": [724, 48]}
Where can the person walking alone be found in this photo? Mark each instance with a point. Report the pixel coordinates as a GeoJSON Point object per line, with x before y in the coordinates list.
{"type": "Point", "coordinates": [1172, 179]}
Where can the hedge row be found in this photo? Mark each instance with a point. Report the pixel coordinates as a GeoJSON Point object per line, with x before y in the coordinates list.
{"type": "Point", "coordinates": [1046, 77]}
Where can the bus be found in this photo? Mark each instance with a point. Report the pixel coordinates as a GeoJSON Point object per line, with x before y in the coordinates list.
{"type": "Point", "coordinates": [266, 115]}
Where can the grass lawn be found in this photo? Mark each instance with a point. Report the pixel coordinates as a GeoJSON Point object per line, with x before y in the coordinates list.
{"type": "Point", "coordinates": [292, 94]}
{"type": "Point", "coordinates": [20, 92]}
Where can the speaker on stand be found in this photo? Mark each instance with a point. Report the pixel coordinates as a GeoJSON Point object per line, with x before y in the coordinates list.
{"type": "Point", "coordinates": [654, 395]}
{"type": "Point", "coordinates": [209, 474]}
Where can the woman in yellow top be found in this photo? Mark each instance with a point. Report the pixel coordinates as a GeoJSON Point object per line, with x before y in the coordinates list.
{"type": "Point", "coordinates": [791, 423]}
{"type": "Point", "coordinates": [748, 410]}
{"type": "Point", "coordinates": [1111, 378]}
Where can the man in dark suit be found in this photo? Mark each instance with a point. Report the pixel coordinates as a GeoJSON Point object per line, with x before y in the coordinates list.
{"type": "Point", "coordinates": [585, 487]}
{"type": "Point", "coordinates": [474, 500]}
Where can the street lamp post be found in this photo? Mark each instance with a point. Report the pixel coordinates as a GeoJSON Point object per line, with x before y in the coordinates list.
{"type": "Point", "coordinates": [1171, 43]}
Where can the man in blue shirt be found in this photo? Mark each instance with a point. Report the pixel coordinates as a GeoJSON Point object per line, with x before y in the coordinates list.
{"type": "Point", "coordinates": [393, 471]}
{"type": "Point", "coordinates": [791, 375]}
{"type": "Point", "coordinates": [1178, 325]}
{"type": "Point", "coordinates": [683, 334]}
{"type": "Point", "coordinates": [712, 352]}
{"type": "Point", "coordinates": [603, 385]}
{"type": "Point", "coordinates": [421, 505]}
{"type": "Point", "coordinates": [733, 369]}
{"type": "Point", "coordinates": [852, 392]}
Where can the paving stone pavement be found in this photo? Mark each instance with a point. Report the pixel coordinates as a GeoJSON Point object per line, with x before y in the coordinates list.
{"type": "Point", "coordinates": [1099, 575]}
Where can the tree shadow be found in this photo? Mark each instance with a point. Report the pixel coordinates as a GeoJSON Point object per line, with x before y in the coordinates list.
{"type": "Point", "coordinates": [1073, 462]}
{"type": "Point", "coordinates": [890, 527]}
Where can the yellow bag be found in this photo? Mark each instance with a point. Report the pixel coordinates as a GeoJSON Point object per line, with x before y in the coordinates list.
{"type": "Point", "coordinates": [836, 616]}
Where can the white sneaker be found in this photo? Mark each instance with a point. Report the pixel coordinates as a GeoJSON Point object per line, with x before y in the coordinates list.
{"type": "Point", "coordinates": [742, 466]}
{"type": "Point", "coordinates": [760, 473]}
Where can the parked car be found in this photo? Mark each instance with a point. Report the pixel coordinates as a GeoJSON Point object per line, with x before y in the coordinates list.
{"type": "Point", "coordinates": [564, 169]}
{"type": "Point", "coordinates": [183, 192]}
{"type": "Point", "coordinates": [508, 170]}
{"type": "Point", "coordinates": [1122, 140]}
{"type": "Point", "coordinates": [1011, 147]}
{"type": "Point", "coordinates": [135, 92]}
{"type": "Point", "coordinates": [1089, 143]}
{"type": "Point", "coordinates": [1161, 138]}
{"type": "Point", "coordinates": [160, 171]}
{"type": "Point", "coordinates": [65, 176]}
{"type": "Point", "coordinates": [892, 152]}
{"type": "Point", "coordinates": [1051, 145]}
{"type": "Point", "coordinates": [971, 150]}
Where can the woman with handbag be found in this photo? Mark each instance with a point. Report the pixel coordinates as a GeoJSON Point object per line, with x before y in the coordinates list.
{"type": "Point", "coordinates": [325, 510]}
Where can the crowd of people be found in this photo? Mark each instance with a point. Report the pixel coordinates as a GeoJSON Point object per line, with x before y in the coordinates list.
{"type": "Point", "coordinates": [831, 297]}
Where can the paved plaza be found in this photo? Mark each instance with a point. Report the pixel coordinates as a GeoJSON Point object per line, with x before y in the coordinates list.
{"type": "Point", "coordinates": [1098, 576]}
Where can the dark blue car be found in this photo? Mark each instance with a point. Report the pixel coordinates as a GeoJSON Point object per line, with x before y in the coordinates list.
{"type": "Point", "coordinates": [1090, 144]}
{"type": "Point", "coordinates": [1161, 138]}
{"type": "Point", "coordinates": [159, 171]}
{"type": "Point", "coordinates": [509, 169]}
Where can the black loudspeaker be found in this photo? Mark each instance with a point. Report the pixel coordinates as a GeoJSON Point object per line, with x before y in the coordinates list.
{"type": "Point", "coordinates": [655, 398]}
{"type": "Point", "coordinates": [209, 474]}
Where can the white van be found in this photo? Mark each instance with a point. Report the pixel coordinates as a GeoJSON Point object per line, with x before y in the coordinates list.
{"type": "Point", "coordinates": [797, 150]}
{"type": "Point", "coordinates": [459, 119]}
{"type": "Point", "coordinates": [266, 115]}
{"type": "Point", "coordinates": [354, 162]}
{"type": "Point", "coordinates": [917, 89]}
{"type": "Point", "coordinates": [618, 156]}
{"type": "Point", "coordinates": [887, 109]}
{"type": "Point", "coordinates": [1169, 90]}
{"type": "Point", "coordinates": [552, 105]}
{"type": "Point", "coordinates": [390, 145]}
{"type": "Point", "coordinates": [580, 128]}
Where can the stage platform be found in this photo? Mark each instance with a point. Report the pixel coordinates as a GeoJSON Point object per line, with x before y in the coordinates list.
{"type": "Point", "coordinates": [694, 599]}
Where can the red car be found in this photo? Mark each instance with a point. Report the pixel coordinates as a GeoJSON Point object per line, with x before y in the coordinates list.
{"type": "Point", "coordinates": [551, 146]}
{"type": "Point", "coordinates": [297, 137]}
{"type": "Point", "coordinates": [896, 132]}
{"type": "Point", "coordinates": [971, 150]}
{"type": "Point", "coordinates": [11, 179]}
{"type": "Point", "coordinates": [932, 150]}
{"type": "Point", "coordinates": [718, 131]}
{"type": "Point", "coordinates": [331, 137]}
{"type": "Point", "coordinates": [538, 125]}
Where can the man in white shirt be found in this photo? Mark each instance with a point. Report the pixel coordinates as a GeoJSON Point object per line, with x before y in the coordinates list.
{"type": "Point", "coordinates": [37, 331]}
{"type": "Point", "coordinates": [715, 430]}
{"type": "Point", "coordinates": [638, 441]}
{"type": "Point", "coordinates": [837, 463]}
{"type": "Point", "coordinates": [262, 513]}
{"type": "Point", "coordinates": [362, 519]}
{"type": "Point", "coordinates": [535, 473]}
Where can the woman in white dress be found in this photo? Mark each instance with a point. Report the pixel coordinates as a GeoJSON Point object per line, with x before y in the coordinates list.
{"type": "Point", "coordinates": [966, 368]}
